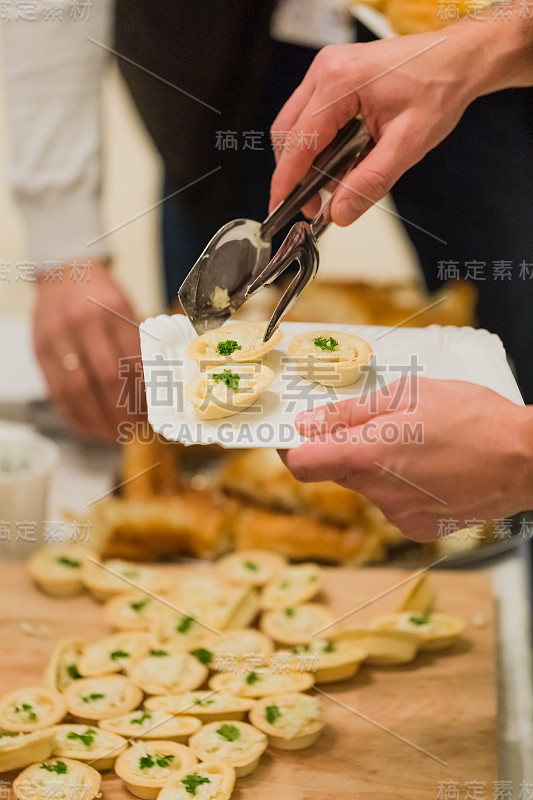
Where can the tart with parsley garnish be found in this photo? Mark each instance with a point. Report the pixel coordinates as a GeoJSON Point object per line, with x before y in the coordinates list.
{"type": "Point", "coordinates": [295, 584]}
{"type": "Point", "coordinates": [152, 724]}
{"type": "Point", "coordinates": [327, 660]}
{"type": "Point", "coordinates": [205, 706]}
{"type": "Point", "coordinates": [331, 358]}
{"type": "Point", "coordinates": [420, 596]}
{"type": "Point", "coordinates": [250, 567]}
{"type": "Point", "coordinates": [222, 392]}
{"type": "Point", "coordinates": [108, 578]}
{"type": "Point", "coordinates": [233, 647]}
{"type": "Point", "coordinates": [296, 624]}
{"type": "Point", "coordinates": [57, 570]}
{"type": "Point", "coordinates": [435, 629]}
{"type": "Point", "coordinates": [238, 342]}
{"type": "Point", "coordinates": [181, 631]}
{"type": "Point", "coordinates": [17, 750]}
{"type": "Point", "coordinates": [58, 778]}
{"type": "Point", "coordinates": [261, 682]}
{"type": "Point", "coordinates": [63, 667]}
{"type": "Point", "coordinates": [210, 780]}
{"type": "Point", "coordinates": [164, 672]}
{"type": "Point", "coordinates": [291, 721]}
{"type": "Point", "coordinates": [92, 699]}
{"type": "Point", "coordinates": [383, 647]}
{"type": "Point", "coordinates": [113, 654]}
{"type": "Point", "coordinates": [237, 743]}
{"type": "Point", "coordinates": [88, 744]}
{"type": "Point", "coordinates": [147, 765]}
{"type": "Point", "coordinates": [133, 611]}
{"type": "Point", "coordinates": [32, 708]}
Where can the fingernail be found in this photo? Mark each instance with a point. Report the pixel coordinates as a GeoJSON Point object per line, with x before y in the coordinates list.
{"type": "Point", "coordinates": [316, 415]}
{"type": "Point", "coordinates": [347, 212]}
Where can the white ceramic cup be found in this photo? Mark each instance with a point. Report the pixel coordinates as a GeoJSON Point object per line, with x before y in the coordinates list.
{"type": "Point", "coordinates": [26, 464]}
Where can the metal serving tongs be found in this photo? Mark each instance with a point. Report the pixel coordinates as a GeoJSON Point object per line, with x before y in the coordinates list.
{"type": "Point", "coordinates": [235, 263]}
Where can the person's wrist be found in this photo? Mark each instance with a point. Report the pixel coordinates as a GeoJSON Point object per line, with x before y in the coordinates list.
{"type": "Point", "coordinates": [523, 434]}
{"type": "Point", "coordinates": [79, 269]}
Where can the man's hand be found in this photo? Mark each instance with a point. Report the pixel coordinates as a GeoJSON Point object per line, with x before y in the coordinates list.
{"type": "Point", "coordinates": [79, 344]}
{"type": "Point", "coordinates": [423, 450]}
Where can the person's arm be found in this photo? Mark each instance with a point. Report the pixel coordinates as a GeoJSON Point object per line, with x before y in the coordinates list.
{"type": "Point", "coordinates": [53, 84]}
{"type": "Point", "coordinates": [411, 92]}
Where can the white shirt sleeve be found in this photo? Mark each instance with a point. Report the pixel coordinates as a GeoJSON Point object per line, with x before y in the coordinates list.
{"type": "Point", "coordinates": [53, 79]}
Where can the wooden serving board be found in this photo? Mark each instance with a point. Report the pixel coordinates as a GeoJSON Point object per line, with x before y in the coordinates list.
{"type": "Point", "coordinates": [389, 729]}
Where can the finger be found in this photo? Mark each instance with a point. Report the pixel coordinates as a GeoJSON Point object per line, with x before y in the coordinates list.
{"type": "Point", "coordinates": [332, 457]}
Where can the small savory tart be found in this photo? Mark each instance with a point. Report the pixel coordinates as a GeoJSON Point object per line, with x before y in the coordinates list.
{"type": "Point", "coordinates": [250, 567]}
{"type": "Point", "coordinates": [220, 392]}
{"type": "Point", "coordinates": [296, 624]}
{"type": "Point", "coordinates": [87, 744]}
{"type": "Point", "coordinates": [180, 632]}
{"type": "Point", "coordinates": [92, 699]}
{"type": "Point", "coordinates": [152, 724]}
{"type": "Point", "coordinates": [295, 584]}
{"type": "Point", "coordinates": [329, 661]}
{"type": "Point", "coordinates": [420, 596]}
{"type": "Point", "coordinates": [237, 743]}
{"type": "Point", "coordinates": [17, 750]}
{"type": "Point", "coordinates": [60, 778]}
{"type": "Point", "coordinates": [383, 647]}
{"type": "Point", "coordinates": [210, 780]}
{"type": "Point", "coordinates": [163, 672]}
{"type": "Point", "coordinates": [105, 579]}
{"type": "Point", "coordinates": [331, 358]}
{"type": "Point", "coordinates": [113, 653]}
{"type": "Point", "coordinates": [133, 611]}
{"type": "Point", "coordinates": [57, 570]}
{"type": "Point", "coordinates": [32, 708]}
{"type": "Point", "coordinates": [63, 667]}
{"type": "Point", "coordinates": [205, 706]}
{"type": "Point", "coordinates": [291, 721]}
{"type": "Point", "coordinates": [146, 766]}
{"type": "Point", "coordinates": [261, 682]}
{"type": "Point", "coordinates": [235, 647]}
{"type": "Point", "coordinates": [238, 342]}
{"type": "Point", "coordinates": [435, 630]}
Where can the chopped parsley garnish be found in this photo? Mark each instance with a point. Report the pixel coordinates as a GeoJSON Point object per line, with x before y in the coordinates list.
{"type": "Point", "coordinates": [65, 561]}
{"type": "Point", "coordinates": [148, 761]}
{"type": "Point", "coordinates": [301, 648]}
{"type": "Point", "coordinates": [252, 678]}
{"type": "Point", "coordinates": [131, 573]}
{"type": "Point", "coordinates": [90, 698]}
{"type": "Point", "coordinates": [289, 612]}
{"type": "Point", "coordinates": [10, 734]}
{"type": "Point", "coordinates": [191, 782]}
{"type": "Point", "coordinates": [229, 732]}
{"type": "Point", "coordinates": [251, 565]}
{"type": "Point", "coordinates": [284, 585]}
{"type": "Point", "coordinates": [158, 653]}
{"type": "Point", "coordinates": [228, 347]}
{"type": "Point", "coordinates": [87, 738]}
{"type": "Point", "coordinates": [60, 768]}
{"type": "Point", "coordinates": [231, 379]}
{"type": "Point", "coordinates": [329, 344]}
{"type": "Point", "coordinates": [199, 702]}
{"type": "Point", "coordinates": [116, 654]}
{"type": "Point", "coordinates": [73, 672]}
{"type": "Point", "coordinates": [142, 719]}
{"type": "Point", "coordinates": [271, 714]}
{"type": "Point", "coordinates": [184, 624]}
{"type": "Point", "coordinates": [204, 656]}
{"type": "Point", "coordinates": [419, 619]}
{"type": "Point", "coordinates": [329, 648]}
{"type": "Point", "coordinates": [312, 578]}
{"type": "Point", "coordinates": [138, 605]}
{"type": "Point", "coordinates": [26, 708]}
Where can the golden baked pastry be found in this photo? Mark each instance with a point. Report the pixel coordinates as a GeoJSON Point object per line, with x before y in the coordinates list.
{"type": "Point", "coordinates": [57, 570]}
{"type": "Point", "coordinates": [327, 660]}
{"type": "Point", "coordinates": [63, 667]}
{"type": "Point", "coordinates": [292, 721]}
{"type": "Point", "coordinates": [92, 699]}
{"type": "Point", "coordinates": [262, 681]}
{"type": "Point", "coordinates": [88, 744]}
{"type": "Point", "coordinates": [214, 602]}
{"type": "Point", "coordinates": [295, 584]}
{"type": "Point", "coordinates": [31, 708]}
{"type": "Point", "coordinates": [250, 567]}
{"type": "Point", "coordinates": [297, 624]}
{"type": "Point", "coordinates": [113, 654]}
{"type": "Point", "coordinates": [152, 724]}
{"type": "Point", "coordinates": [180, 632]}
{"type": "Point", "coordinates": [60, 778]}
{"type": "Point", "coordinates": [238, 342]}
{"type": "Point", "coordinates": [162, 672]}
{"type": "Point", "coordinates": [210, 780]}
{"type": "Point", "coordinates": [232, 648]}
{"type": "Point", "coordinates": [383, 647]}
{"type": "Point", "coordinates": [435, 630]}
{"type": "Point", "coordinates": [237, 743]}
{"type": "Point", "coordinates": [105, 579]}
{"type": "Point", "coordinates": [222, 392]}
{"type": "Point", "coordinates": [207, 706]}
{"type": "Point", "coordinates": [17, 750]}
{"type": "Point", "coordinates": [133, 611]}
{"type": "Point", "coordinates": [146, 766]}
{"type": "Point", "coordinates": [420, 595]}
{"type": "Point", "coordinates": [331, 358]}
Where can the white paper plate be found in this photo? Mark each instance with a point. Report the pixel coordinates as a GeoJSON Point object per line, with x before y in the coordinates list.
{"type": "Point", "coordinates": [448, 353]}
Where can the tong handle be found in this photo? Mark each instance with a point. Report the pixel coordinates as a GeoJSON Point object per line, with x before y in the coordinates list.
{"type": "Point", "coordinates": [334, 159]}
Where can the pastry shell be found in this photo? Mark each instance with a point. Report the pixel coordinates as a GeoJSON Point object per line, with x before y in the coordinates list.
{"type": "Point", "coordinates": [296, 624]}
{"type": "Point", "coordinates": [383, 647]}
{"type": "Point", "coordinates": [205, 706]}
{"type": "Point", "coordinates": [338, 663]}
{"type": "Point", "coordinates": [170, 674]}
{"type": "Point", "coordinates": [105, 579]}
{"type": "Point", "coordinates": [439, 632]}
{"type": "Point", "coordinates": [17, 750]}
{"type": "Point", "coordinates": [199, 348]}
{"type": "Point", "coordinates": [39, 698]}
{"type": "Point", "coordinates": [250, 567]}
{"type": "Point", "coordinates": [149, 787]}
{"type": "Point", "coordinates": [324, 370]}
{"type": "Point", "coordinates": [420, 596]}
{"type": "Point", "coordinates": [244, 762]}
{"type": "Point", "coordinates": [29, 784]}
{"type": "Point", "coordinates": [54, 577]}
{"type": "Point", "coordinates": [297, 583]}
{"type": "Point", "coordinates": [133, 611]}
{"type": "Point", "coordinates": [65, 656]}
{"type": "Point", "coordinates": [127, 697]}
{"type": "Point", "coordinates": [235, 646]}
{"type": "Point", "coordinates": [98, 659]}
{"type": "Point", "coordinates": [158, 724]}
{"type": "Point", "coordinates": [100, 754]}
{"type": "Point", "coordinates": [213, 768]}
{"type": "Point", "coordinates": [227, 402]}
{"type": "Point", "coordinates": [303, 737]}
{"type": "Point", "coordinates": [267, 682]}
